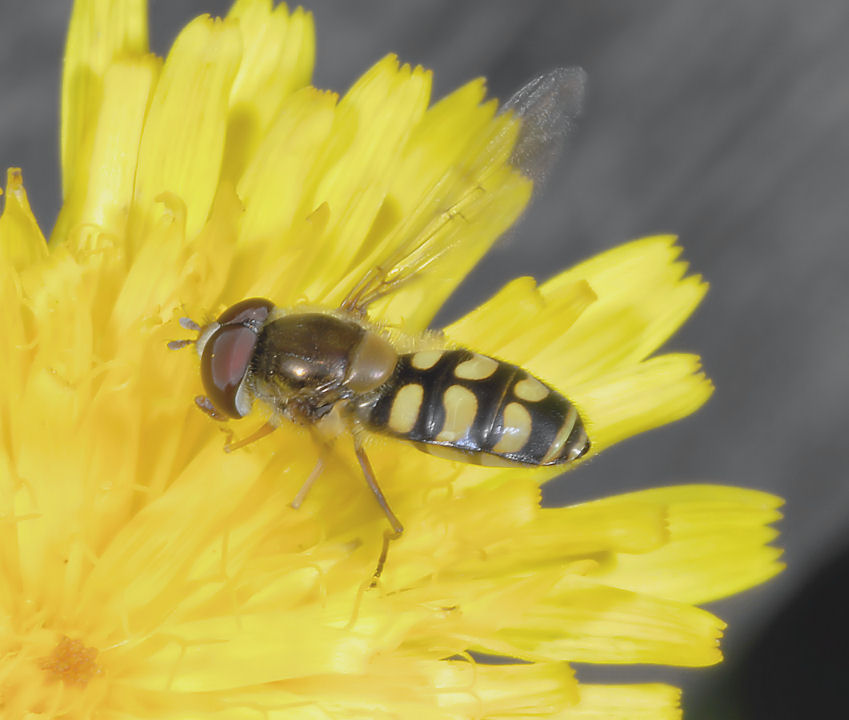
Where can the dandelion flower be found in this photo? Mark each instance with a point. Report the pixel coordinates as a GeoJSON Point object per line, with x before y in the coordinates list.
{"type": "Point", "coordinates": [146, 574]}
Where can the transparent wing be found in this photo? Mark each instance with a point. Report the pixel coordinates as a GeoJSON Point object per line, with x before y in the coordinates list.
{"type": "Point", "coordinates": [507, 154]}
{"type": "Point", "coordinates": [548, 107]}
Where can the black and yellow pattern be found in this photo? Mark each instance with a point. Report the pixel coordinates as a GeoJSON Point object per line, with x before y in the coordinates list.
{"type": "Point", "coordinates": [474, 408]}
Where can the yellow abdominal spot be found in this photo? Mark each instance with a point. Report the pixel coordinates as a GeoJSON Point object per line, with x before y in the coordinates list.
{"type": "Point", "coordinates": [517, 429]}
{"type": "Point", "coordinates": [426, 359]}
{"type": "Point", "coordinates": [530, 389]}
{"type": "Point", "coordinates": [461, 406]}
{"type": "Point", "coordinates": [478, 367]}
{"type": "Point", "coordinates": [405, 408]}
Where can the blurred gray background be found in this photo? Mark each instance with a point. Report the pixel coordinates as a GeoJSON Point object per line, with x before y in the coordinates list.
{"type": "Point", "coordinates": [726, 122]}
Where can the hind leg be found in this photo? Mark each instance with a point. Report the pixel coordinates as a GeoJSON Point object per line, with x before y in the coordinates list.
{"type": "Point", "coordinates": [397, 528]}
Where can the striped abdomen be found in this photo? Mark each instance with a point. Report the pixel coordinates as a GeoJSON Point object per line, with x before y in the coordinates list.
{"type": "Point", "coordinates": [476, 409]}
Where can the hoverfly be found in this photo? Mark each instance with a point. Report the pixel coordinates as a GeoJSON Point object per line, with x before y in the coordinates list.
{"type": "Point", "coordinates": [321, 366]}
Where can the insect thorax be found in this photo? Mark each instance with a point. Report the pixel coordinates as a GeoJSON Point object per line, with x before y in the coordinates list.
{"type": "Point", "coordinates": [307, 362]}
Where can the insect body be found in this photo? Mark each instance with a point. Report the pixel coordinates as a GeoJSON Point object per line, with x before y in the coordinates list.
{"type": "Point", "coordinates": [326, 367]}
{"type": "Point", "coordinates": [452, 403]}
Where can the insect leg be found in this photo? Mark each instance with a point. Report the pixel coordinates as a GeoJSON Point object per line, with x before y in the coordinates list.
{"type": "Point", "coordinates": [264, 430]}
{"type": "Point", "coordinates": [325, 447]}
{"type": "Point", "coordinates": [308, 483]}
{"type": "Point", "coordinates": [397, 527]}
{"type": "Point", "coordinates": [368, 473]}
{"type": "Point", "coordinates": [388, 537]}
{"type": "Point", "coordinates": [179, 344]}
{"type": "Point", "coordinates": [188, 324]}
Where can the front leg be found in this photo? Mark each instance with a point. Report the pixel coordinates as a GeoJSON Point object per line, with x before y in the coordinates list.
{"type": "Point", "coordinates": [266, 429]}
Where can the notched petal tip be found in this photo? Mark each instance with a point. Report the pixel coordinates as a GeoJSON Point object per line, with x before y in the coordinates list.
{"type": "Point", "coordinates": [718, 543]}
{"type": "Point", "coordinates": [637, 398]}
{"type": "Point", "coordinates": [279, 54]}
{"type": "Point", "coordinates": [627, 702]}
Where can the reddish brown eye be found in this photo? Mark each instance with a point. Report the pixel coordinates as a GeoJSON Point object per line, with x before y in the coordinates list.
{"type": "Point", "coordinates": [225, 361]}
{"type": "Point", "coordinates": [252, 311]}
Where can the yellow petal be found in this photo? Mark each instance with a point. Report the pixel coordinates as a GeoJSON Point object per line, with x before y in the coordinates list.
{"type": "Point", "coordinates": [491, 213]}
{"type": "Point", "coordinates": [641, 397]}
{"type": "Point", "coordinates": [455, 192]}
{"type": "Point", "coordinates": [516, 537]}
{"type": "Point", "coordinates": [209, 655]}
{"type": "Point", "coordinates": [520, 321]}
{"type": "Point", "coordinates": [626, 702]}
{"type": "Point", "coordinates": [587, 331]}
{"type": "Point", "coordinates": [158, 265]}
{"type": "Point", "coordinates": [446, 690]}
{"type": "Point", "coordinates": [271, 191]}
{"type": "Point", "coordinates": [209, 261]}
{"type": "Point", "coordinates": [508, 690]}
{"type": "Point", "coordinates": [183, 140]}
{"type": "Point", "coordinates": [100, 31]}
{"type": "Point", "coordinates": [608, 312]}
{"type": "Point", "coordinates": [495, 691]}
{"type": "Point", "coordinates": [21, 241]}
{"type": "Point", "coordinates": [718, 543]}
{"type": "Point", "coordinates": [643, 297]}
{"type": "Point", "coordinates": [17, 333]}
{"type": "Point", "coordinates": [589, 528]}
{"type": "Point", "coordinates": [102, 193]}
{"type": "Point", "coordinates": [279, 50]}
{"type": "Point", "coordinates": [181, 572]}
{"type": "Point", "coordinates": [582, 621]}
{"type": "Point", "coordinates": [374, 121]}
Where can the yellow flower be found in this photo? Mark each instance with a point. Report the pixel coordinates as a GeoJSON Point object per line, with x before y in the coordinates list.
{"type": "Point", "coordinates": [146, 574]}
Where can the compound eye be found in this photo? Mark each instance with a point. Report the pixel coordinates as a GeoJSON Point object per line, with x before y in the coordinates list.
{"type": "Point", "coordinates": [252, 311]}
{"type": "Point", "coordinates": [226, 358]}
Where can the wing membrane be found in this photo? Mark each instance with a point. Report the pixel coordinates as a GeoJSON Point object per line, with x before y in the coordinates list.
{"type": "Point", "coordinates": [493, 177]}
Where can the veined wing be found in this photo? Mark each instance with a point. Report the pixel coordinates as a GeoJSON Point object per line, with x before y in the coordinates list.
{"type": "Point", "coordinates": [517, 150]}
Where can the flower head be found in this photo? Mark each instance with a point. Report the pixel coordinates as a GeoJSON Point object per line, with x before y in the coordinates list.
{"type": "Point", "coordinates": [147, 574]}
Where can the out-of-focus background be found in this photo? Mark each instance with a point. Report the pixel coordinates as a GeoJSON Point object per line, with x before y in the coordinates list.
{"type": "Point", "coordinates": [725, 122]}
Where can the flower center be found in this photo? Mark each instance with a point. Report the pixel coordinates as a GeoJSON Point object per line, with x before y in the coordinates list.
{"type": "Point", "coordinates": [72, 662]}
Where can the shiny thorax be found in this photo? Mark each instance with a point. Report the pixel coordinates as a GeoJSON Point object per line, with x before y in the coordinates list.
{"type": "Point", "coordinates": [305, 363]}
{"type": "Point", "coordinates": [299, 364]}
